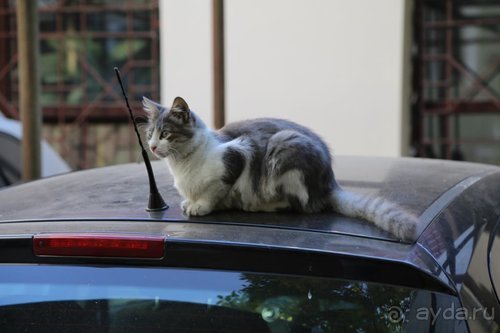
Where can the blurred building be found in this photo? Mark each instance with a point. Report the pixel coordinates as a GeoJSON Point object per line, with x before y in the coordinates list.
{"type": "Point", "coordinates": [456, 81]}
{"type": "Point", "coordinates": [80, 44]}
{"type": "Point", "coordinates": [385, 77]}
{"type": "Point", "coordinates": [335, 66]}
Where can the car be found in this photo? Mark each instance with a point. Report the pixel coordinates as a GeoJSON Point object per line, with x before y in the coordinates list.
{"type": "Point", "coordinates": [10, 154]}
{"type": "Point", "coordinates": [80, 253]}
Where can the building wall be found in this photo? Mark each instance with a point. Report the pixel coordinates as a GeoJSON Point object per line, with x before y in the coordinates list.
{"type": "Point", "coordinates": [335, 66]}
{"type": "Point", "coordinates": [186, 54]}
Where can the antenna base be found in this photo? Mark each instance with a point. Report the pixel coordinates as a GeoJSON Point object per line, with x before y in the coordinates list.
{"type": "Point", "coordinates": [156, 203]}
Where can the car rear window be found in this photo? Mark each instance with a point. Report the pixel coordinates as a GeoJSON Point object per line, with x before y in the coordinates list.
{"type": "Point", "coordinates": [53, 298]}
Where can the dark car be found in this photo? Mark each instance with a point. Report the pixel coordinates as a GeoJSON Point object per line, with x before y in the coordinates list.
{"type": "Point", "coordinates": [79, 253]}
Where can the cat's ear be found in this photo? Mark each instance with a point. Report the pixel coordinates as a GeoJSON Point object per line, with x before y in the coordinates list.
{"type": "Point", "coordinates": [180, 109]}
{"type": "Point", "coordinates": [180, 104]}
{"type": "Point", "coordinates": [151, 108]}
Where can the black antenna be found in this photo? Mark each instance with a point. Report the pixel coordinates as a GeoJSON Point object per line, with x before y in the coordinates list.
{"type": "Point", "coordinates": [155, 202]}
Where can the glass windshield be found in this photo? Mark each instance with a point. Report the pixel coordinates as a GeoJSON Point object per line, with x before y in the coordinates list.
{"type": "Point", "coordinates": [112, 299]}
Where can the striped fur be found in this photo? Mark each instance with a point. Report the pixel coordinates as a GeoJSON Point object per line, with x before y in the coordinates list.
{"type": "Point", "coordinates": [384, 214]}
{"type": "Point", "coordinates": [258, 165]}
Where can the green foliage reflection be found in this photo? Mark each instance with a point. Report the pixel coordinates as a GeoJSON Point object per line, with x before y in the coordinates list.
{"type": "Point", "coordinates": [319, 305]}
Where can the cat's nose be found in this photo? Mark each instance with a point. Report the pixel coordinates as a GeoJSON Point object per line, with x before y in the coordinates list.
{"type": "Point", "coordinates": [153, 148]}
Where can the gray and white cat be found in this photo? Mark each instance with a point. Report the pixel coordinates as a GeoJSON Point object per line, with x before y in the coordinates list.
{"type": "Point", "coordinates": [262, 165]}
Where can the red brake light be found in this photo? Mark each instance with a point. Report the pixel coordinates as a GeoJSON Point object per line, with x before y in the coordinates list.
{"type": "Point", "coordinates": [99, 245]}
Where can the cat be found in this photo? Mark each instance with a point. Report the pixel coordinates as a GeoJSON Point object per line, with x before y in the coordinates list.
{"type": "Point", "coordinates": [260, 165]}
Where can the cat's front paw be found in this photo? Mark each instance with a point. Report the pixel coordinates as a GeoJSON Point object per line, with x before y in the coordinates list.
{"type": "Point", "coordinates": [195, 208]}
{"type": "Point", "coordinates": [184, 205]}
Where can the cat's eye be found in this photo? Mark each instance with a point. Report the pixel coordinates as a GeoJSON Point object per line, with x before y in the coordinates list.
{"type": "Point", "coordinates": [164, 135]}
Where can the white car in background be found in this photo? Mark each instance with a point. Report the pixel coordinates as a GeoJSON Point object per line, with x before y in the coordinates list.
{"type": "Point", "coordinates": [10, 154]}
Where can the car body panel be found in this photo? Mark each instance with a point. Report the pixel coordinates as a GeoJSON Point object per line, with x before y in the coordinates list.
{"type": "Point", "coordinates": [459, 240]}
{"type": "Point", "coordinates": [457, 203]}
{"type": "Point", "coordinates": [121, 192]}
{"type": "Point", "coordinates": [494, 259]}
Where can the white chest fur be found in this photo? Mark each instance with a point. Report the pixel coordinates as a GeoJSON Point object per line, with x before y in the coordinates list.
{"type": "Point", "coordinates": [194, 175]}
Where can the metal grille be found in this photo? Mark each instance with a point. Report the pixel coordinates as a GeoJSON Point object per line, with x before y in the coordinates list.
{"type": "Point", "coordinates": [456, 80]}
{"type": "Point", "coordinates": [80, 43]}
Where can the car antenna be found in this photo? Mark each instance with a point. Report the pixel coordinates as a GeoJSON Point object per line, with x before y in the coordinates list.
{"type": "Point", "coordinates": [156, 202]}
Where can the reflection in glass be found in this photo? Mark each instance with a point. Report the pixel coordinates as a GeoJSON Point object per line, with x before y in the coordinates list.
{"type": "Point", "coordinates": [62, 299]}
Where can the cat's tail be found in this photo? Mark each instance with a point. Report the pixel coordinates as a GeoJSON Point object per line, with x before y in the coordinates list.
{"type": "Point", "coordinates": [381, 212]}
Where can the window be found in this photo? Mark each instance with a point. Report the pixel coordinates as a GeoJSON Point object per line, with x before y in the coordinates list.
{"type": "Point", "coordinates": [80, 44]}
{"type": "Point", "coordinates": [50, 298]}
{"type": "Point", "coordinates": [456, 80]}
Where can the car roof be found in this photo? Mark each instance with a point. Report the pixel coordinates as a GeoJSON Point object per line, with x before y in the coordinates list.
{"type": "Point", "coordinates": [119, 193]}
{"type": "Point", "coordinates": [112, 200]}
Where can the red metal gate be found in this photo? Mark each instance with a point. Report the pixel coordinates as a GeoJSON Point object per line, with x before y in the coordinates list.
{"type": "Point", "coordinates": [80, 43]}
{"type": "Point", "coordinates": [455, 75]}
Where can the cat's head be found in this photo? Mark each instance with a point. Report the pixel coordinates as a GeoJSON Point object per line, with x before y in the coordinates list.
{"type": "Point", "coordinates": [172, 132]}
